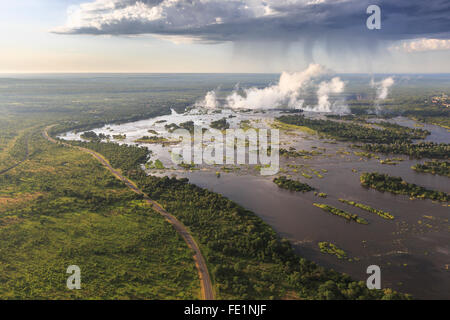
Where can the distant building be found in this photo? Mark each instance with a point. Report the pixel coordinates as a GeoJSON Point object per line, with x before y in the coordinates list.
{"type": "Point", "coordinates": [441, 100]}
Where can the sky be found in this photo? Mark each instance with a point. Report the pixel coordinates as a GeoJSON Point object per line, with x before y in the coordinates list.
{"type": "Point", "coordinates": [245, 36]}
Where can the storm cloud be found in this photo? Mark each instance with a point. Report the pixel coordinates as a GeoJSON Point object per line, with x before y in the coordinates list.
{"type": "Point", "coordinates": [335, 21]}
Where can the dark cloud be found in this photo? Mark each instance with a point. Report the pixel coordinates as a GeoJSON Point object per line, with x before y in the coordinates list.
{"type": "Point", "coordinates": [335, 22]}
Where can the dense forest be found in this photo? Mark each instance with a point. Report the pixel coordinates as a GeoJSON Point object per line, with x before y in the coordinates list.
{"type": "Point", "coordinates": [418, 150]}
{"type": "Point", "coordinates": [413, 133]}
{"type": "Point", "coordinates": [125, 157]}
{"type": "Point", "coordinates": [392, 139]}
{"type": "Point", "coordinates": [354, 132]}
{"type": "Point", "coordinates": [384, 182]}
{"type": "Point", "coordinates": [430, 114]}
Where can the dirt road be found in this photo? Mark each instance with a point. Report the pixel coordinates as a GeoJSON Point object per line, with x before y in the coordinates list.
{"type": "Point", "coordinates": [205, 280]}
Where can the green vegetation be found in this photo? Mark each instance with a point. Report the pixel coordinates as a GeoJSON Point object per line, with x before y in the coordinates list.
{"type": "Point", "coordinates": [290, 128]}
{"type": "Point", "coordinates": [245, 125]}
{"type": "Point", "coordinates": [120, 137]}
{"type": "Point", "coordinates": [419, 150]}
{"type": "Point", "coordinates": [330, 248]}
{"type": "Point", "coordinates": [431, 114]}
{"type": "Point", "coordinates": [353, 132]}
{"type": "Point", "coordinates": [187, 166]}
{"type": "Point", "coordinates": [189, 126]}
{"type": "Point", "coordinates": [385, 215]}
{"type": "Point", "coordinates": [64, 208]}
{"type": "Point", "coordinates": [341, 213]}
{"type": "Point", "coordinates": [396, 185]}
{"type": "Point", "coordinates": [125, 157]}
{"type": "Point", "coordinates": [321, 194]}
{"type": "Point", "coordinates": [307, 176]}
{"type": "Point", "coordinates": [89, 135]}
{"type": "Point", "coordinates": [246, 258]}
{"type": "Point", "coordinates": [292, 185]}
{"type": "Point", "coordinates": [393, 161]}
{"type": "Point", "coordinates": [172, 127]}
{"type": "Point", "coordinates": [292, 153]}
{"type": "Point", "coordinates": [221, 124]}
{"type": "Point", "coordinates": [365, 154]}
{"type": "Point", "coordinates": [92, 136]}
{"type": "Point", "coordinates": [16, 152]}
{"type": "Point", "coordinates": [441, 168]}
{"type": "Point", "coordinates": [413, 133]}
{"type": "Point", "coordinates": [157, 140]}
{"type": "Point", "coordinates": [348, 117]}
{"type": "Point", "coordinates": [157, 164]}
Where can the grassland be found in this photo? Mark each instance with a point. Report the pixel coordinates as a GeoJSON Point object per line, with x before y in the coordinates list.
{"type": "Point", "coordinates": [63, 208]}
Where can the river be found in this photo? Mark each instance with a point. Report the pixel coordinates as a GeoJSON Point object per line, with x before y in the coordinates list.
{"type": "Point", "coordinates": [413, 250]}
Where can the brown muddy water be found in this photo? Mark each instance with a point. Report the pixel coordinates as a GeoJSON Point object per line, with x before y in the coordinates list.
{"type": "Point", "coordinates": [413, 250]}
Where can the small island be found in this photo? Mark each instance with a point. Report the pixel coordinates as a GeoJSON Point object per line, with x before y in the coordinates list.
{"type": "Point", "coordinates": [385, 215]}
{"type": "Point", "coordinates": [292, 185]}
{"type": "Point", "coordinates": [396, 185]}
{"type": "Point", "coordinates": [441, 168]}
{"type": "Point", "coordinates": [330, 248]}
{"type": "Point", "coordinates": [341, 213]}
{"type": "Point", "coordinates": [157, 140]}
{"type": "Point", "coordinates": [221, 124]}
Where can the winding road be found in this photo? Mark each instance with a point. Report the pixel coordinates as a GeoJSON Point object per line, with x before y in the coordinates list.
{"type": "Point", "coordinates": [200, 263]}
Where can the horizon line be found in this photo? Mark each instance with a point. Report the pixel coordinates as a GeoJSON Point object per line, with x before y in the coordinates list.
{"type": "Point", "coordinates": [206, 73]}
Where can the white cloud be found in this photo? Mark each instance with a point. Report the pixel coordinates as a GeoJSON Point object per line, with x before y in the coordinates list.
{"type": "Point", "coordinates": [158, 16]}
{"type": "Point", "coordinates": [422, 45]}
{"type": "Point", "coordinates": [335, 28]}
